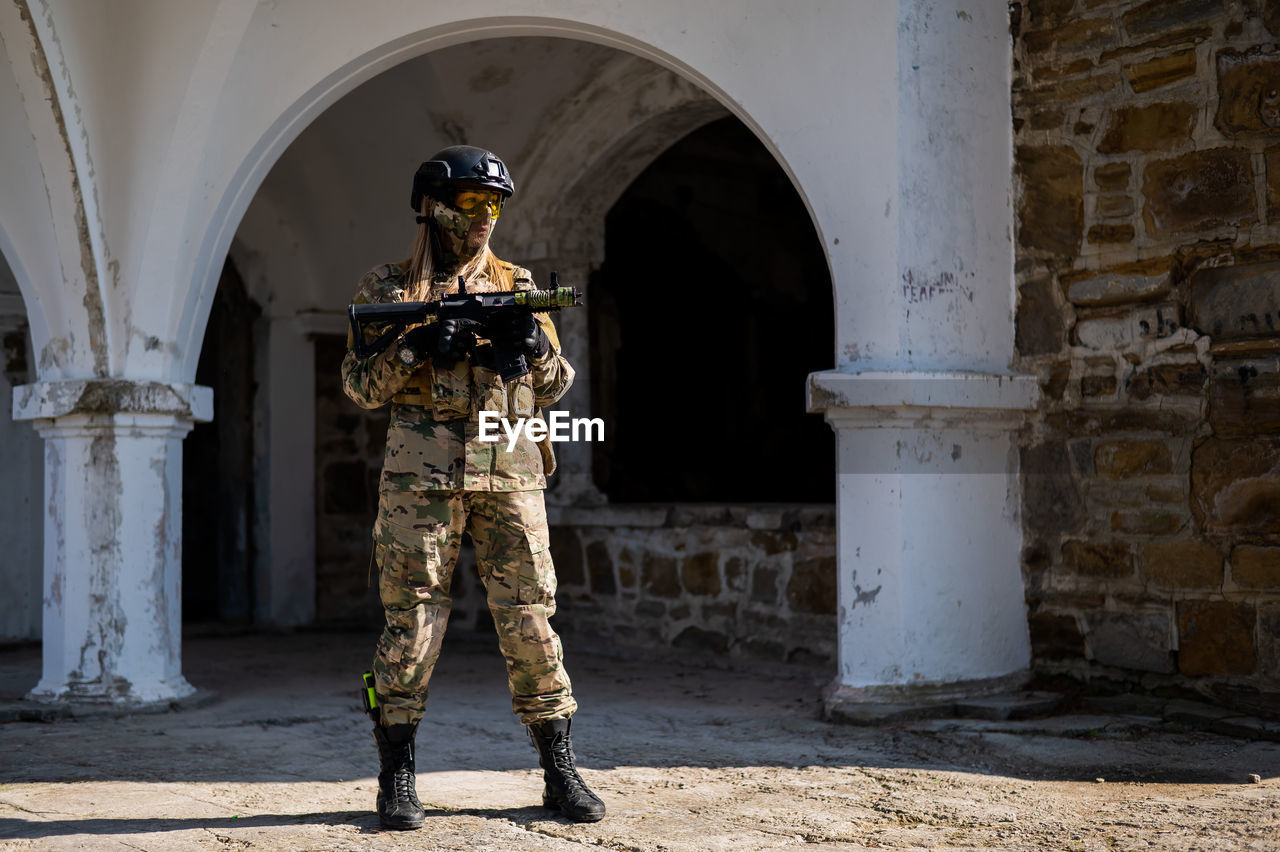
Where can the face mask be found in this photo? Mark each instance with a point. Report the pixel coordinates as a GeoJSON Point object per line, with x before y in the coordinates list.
{"type": "Point", "coordinates": [453, 223]}
{"type": "Point", "coordinates": [456, 240]}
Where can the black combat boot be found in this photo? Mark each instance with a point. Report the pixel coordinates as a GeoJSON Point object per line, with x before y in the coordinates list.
{"type": "Point", "coordinates": [565, 791]}
{"type": "Point", "coordinates": [398, 805]}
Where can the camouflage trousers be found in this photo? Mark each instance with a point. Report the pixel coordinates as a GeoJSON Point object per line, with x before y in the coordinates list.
{"type": "Point", "coordinates": [416, 539]}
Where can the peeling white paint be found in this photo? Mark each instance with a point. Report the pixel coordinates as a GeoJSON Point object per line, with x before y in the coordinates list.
{"type": "Point", "coordinates": [109, 396]}
{"type": "Point", "coordinates": [112, 622]}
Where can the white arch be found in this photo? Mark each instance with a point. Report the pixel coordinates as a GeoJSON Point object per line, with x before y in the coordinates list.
{"type": "Point", "coordinates": [254, 161]}
{"type": "Point", "coordinates": [616, 113]}
{"type": "Point", "coordinates": [170, 140]}
{"type": "Point", "coordinates": [50, 236]}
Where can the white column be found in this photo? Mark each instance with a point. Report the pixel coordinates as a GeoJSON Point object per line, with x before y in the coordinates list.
{"type": "Point", "coordinates": [285, 573]}
{"type": "Point", "coordinates": [113, 536]}
{"type": "Point", "coordinates": [925, 407]}
{"type": "Point", "coordinates": [572, 484]}
{"type": "Point", "coordinates": [930, 583]}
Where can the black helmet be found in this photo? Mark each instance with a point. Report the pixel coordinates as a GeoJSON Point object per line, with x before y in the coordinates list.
{"type": "Point", "coordinates": [460, 164]}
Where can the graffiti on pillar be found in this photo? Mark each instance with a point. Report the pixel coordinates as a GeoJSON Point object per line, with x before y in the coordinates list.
{"type": "Point", "coordinates": [919, 287]}
{"type": "Point", "coordinates": [866, 597]}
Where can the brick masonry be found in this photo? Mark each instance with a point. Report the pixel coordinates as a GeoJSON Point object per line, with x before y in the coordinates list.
{"type": "Point", "coordinates": [1147, 146]}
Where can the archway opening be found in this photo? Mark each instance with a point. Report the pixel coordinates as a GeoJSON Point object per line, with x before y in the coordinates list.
{"type": "Point", "coordinates": [21, 460]}
{"type": "Point", "coordinates": [712, 306]}
{"type": "Point", "coordinates": [577, 122]}
{"type": "Point", "coordinates": [219, 547]}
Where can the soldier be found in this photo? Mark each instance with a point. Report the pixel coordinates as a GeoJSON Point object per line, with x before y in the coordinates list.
{"type": "Point", "coordinates": [439, 480]}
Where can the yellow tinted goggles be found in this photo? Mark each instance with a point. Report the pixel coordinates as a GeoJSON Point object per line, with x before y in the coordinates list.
{"type": "Point", "coordinates": [472, 201]}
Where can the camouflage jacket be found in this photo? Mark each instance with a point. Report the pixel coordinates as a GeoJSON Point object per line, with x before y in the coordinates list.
{"type": "Point", "coordinates": [433, 439]}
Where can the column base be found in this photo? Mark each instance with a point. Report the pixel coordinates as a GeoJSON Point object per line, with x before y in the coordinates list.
{"type": "Point", "coordinates": [931, 604]}
{"type": "Point", "coordinates": [1001, 697]}
{"type": "Point", "coordinates": [50, 710]}
{"type": "Point", "coordinates": [117, 692]}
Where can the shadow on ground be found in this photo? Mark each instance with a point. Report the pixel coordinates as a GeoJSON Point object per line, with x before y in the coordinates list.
{"type": "Point", "coordinates": [365, 821]}
{"type": "Point", "coordinates": [287, 712]}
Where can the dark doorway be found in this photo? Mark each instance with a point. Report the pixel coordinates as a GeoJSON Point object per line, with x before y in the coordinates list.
{"type": "Point", "coordinates": [349, 444]}
{"type": "Point", "coordinates": [217, 467]}
{"type": "Point", "coordinates": [712, 306]}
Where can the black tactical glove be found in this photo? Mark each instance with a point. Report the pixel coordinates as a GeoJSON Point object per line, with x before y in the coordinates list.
{"type": "Point", "coordinates": [421, 343]}
{"type": "Point", "coordinates": [446, 343]}
{"type": "Point", "coordinates": [521, 332]}
{"type": "Point", "coordinates": [421, 340]}
{"type": "Point", "coordinates": [454, 341]}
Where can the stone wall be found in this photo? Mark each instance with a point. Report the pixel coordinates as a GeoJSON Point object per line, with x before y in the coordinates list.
{"type": "Point", "coordinates": [743, 583]}
{"type": "Point", "coordinates": [1148, 152]}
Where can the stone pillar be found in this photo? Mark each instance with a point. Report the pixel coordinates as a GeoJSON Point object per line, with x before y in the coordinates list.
{"type": "Point", "coordinates": [930, 586]}
{"type": "Point", "coordinates": [285, 570]}
{"type": "Point", "coordinates": [572, 484]}
{"type": "Point", "coordinates": [113, 550]}
{"type": "Point", "coordinates": [924, 405]}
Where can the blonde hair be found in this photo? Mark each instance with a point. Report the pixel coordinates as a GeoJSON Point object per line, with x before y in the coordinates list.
{"type": "Point", "coordinates": [419, 268]}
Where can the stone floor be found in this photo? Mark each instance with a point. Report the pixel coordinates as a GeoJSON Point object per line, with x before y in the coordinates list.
{"type": "Point", "coordinates": [276, 755]}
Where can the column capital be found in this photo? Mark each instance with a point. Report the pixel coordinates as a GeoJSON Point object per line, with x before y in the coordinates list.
{"type": "Point", "coordinates": [102, 402]}
{"type": "Point", "coordinates": [920, 399]}
{"type": "Point", "coordinates": [68, 426]}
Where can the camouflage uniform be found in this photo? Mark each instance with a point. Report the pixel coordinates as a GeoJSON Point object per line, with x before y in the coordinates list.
{"type": "Point", "coordinates": [439, 479]}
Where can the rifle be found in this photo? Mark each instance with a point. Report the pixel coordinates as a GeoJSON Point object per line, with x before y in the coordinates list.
{"type": "Point", "coordinates": [476, 310]}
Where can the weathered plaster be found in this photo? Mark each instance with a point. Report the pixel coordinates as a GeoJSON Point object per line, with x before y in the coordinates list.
{"type": "Point", "coordinates": [111, 396]}
{"type": "Point", "coordinates": [100, 647]}
{"type": "Point", "coordinates": [59, 101]}
{"type": "Point", "coordinates": [112, 603]}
